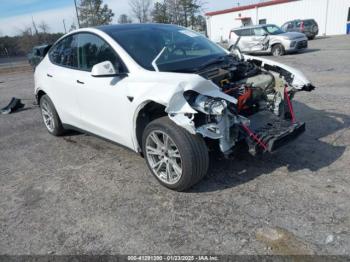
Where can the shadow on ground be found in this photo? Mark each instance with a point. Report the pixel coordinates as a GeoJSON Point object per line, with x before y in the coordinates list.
{"type": "Point", "coordinates": [307, 152]}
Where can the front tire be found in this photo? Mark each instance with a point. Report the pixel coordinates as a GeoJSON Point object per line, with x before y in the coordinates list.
{"type": "Point", "coordinates": [175, 157]}
{"type": "Point", "coordinates": [51, 119]}
{"type": "Point", "coordinates": [278, 50]}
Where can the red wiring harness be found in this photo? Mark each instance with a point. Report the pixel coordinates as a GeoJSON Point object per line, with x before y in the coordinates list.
{"type": "Point", "coordinates": [289, 103]}
{"type": "Point", "coordinates": [255, 137]}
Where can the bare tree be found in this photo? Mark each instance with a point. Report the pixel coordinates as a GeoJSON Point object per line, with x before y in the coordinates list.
{"type": "Point", "coordinates": [28, 38]}
{"type": "Point", "coordinates": [35, 27]}
{"type": "Point", "coordinates": [141, 10]}
{"type": "Point", "coordinates": [124, 19]}
{"type": "Point", "coordinates": [72, 27]}
{"type": "Point", "coordinates": [44, 27]}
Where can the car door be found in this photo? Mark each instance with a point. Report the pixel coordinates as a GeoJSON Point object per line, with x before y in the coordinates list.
{"type": "Point", "coordinates": [258, 40]}
{"type": "Point", "coordinates": [246, 39]}
{"type": "Point", "coordinates": [103, 102]}
{"type": "Point", "coordinates": [286, 26]}
{"type": "Point", "coordinates": [59, 73]}
{"type": "Point", "coordinates": [297, 26]}
{"type": "Point", "coordinates": [291, 27]}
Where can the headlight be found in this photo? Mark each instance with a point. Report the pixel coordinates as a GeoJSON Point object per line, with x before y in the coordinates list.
{"type": "Point", "coordinates": [209, 105]}
{"type": "Point", "coordinates": [292, 44]}
{"type": "Point", "coordinates": [216, 107]}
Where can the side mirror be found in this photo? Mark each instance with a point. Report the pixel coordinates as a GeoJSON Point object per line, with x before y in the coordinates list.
{"type": "Point", "coordinates": [237, 52]}
{"type": "Point", "coordinates": [104, 69]}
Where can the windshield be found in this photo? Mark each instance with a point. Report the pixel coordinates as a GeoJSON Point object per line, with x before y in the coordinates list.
{"type": "Point", "coordinates": [170, 48]}
{"type": "Point", "coordinates": [273, 30]}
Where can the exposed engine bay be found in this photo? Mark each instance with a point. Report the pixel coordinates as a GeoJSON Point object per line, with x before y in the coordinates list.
{"type": "Point", "coordinates": [263, 115]}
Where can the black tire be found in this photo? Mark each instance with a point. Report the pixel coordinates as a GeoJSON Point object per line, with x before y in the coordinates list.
{"type": "Point", "coordinates": [278, 50]}
{"type": "Point", "coordinates": [311, 37]}
{"type": "Point", "coordinates": [57, 130]}
{"type": "Point", "coordinates": [192, 149]}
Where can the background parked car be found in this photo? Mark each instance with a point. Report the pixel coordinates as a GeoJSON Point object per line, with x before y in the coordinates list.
{"type": "Point", "coordinates": [37, 54]}
{"type": "Point", "coordinates": [309, 27]}
{"type": "Point", "coordinates": [267, 39]}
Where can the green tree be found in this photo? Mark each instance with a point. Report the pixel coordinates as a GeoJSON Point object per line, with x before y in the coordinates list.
{"type": "Point", "coordinates": [160, 13]}
{"type": "Point", "coordinates": [94, 13]}
{"type": "Point", "coordinates": [124, 19]}
{"type": "Point", "coordinates": [186, 13]}
{"type": "Point", "coordinates": [189, 9]}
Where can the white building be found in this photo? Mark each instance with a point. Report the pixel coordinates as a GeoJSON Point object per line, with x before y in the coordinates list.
{"type": "Point", "coordinates": [332, 16]}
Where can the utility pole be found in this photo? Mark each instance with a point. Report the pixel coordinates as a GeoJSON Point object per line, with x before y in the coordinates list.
{"type": "Point", "coordinates": [76, 11]}
{"type": "Point", "coordinates": [326, 20]}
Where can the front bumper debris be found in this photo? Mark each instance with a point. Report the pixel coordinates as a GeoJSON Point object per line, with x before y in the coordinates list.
{"type": "Point", "coordinates": [268, 132]}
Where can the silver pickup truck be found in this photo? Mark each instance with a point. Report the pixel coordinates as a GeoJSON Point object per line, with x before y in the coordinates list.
{"type": "Point", "coordinates": [267, 39]}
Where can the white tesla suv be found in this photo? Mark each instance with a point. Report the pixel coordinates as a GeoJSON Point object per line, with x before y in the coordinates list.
{"type": "Point", "coordinates": [168, 93]}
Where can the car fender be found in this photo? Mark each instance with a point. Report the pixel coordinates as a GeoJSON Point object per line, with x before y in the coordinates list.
{"type": "Point", "coordinates": [293, 76]}
{"type": "Point", "coordinates": [172, 98]}
{"type": "Point", "coordinates": [274, 41]}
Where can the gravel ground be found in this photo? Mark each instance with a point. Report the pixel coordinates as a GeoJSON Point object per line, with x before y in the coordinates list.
{"type": "Point", "coordinates": [81, 195]}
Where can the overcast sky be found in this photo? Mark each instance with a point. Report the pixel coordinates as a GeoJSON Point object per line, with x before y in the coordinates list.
{"type": "Point", "coordinates": [17, 14]}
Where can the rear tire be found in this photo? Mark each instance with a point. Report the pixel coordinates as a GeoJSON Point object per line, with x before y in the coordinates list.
{"type": "Point", "coordinates": [50, 117]}
{"type": "Point", "coordinates": [278, 50]}
{"type": "Point", "coordinates": [175, 157]}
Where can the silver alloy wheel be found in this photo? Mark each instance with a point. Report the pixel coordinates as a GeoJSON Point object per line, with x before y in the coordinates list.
{"type": "Point", "coordinates": [163, 157]}
{"type": "Point", "coordinates": [48, 116]}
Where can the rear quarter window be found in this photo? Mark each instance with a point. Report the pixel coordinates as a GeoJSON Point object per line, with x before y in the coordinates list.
{"type": "Point", "coordinates": [310, 22]}
{"type": "Point", "coordinates": [243, 32]}
{"type": "Point", "coordinates": [65, 52]}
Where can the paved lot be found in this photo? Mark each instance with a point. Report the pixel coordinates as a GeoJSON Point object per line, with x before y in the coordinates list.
{"type": "Point", "coordinates": [79, 194]}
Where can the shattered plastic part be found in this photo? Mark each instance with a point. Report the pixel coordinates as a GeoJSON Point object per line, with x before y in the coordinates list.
{"type": "Point", "coordinates": [297, 79]}
{"type": "Point", "coordinates": [209, 93]}
{"type": "Point", "coordinates": [210, 130]}
{"type": "Point", "coordinates": [14, 105]}
{"type": "Point", "coordinates": [184, 121]}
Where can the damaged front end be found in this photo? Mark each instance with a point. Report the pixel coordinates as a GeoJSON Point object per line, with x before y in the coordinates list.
{"type": "Point", "coordinates": [251, 103]}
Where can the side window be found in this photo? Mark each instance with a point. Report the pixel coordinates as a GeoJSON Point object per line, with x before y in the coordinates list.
{"type": "Point", "coordinates": [289, 25]}
{"type": "Point", "coordinates": [37, 52]}
{"type": "Point", "coordinates": [244, 32]}
{"type": "Point", "coordinates": [308, 23]}
{"type": "Point", "coordinates": [249, 32]}
{"type": "Point", "coordinates": [94, 50]}
{"type": "Point", "coordinates": [238, 32]}
{"type": "Point", "coordinates": [259, 32]}
{"type": "Point", "coordinates": [262, 22]}
{"type": "Point", "coordinates": [64, 53]}
{"type": "Point", "coordinates": [284, 26]}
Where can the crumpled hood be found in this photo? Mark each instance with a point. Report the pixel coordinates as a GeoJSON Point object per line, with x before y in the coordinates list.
{"type": "Point", "coordinates": [178, 103]}
{"type": "Point", "coordinates": [292, 35]}
{"type": "Point", "coordinates": [168, 89]}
